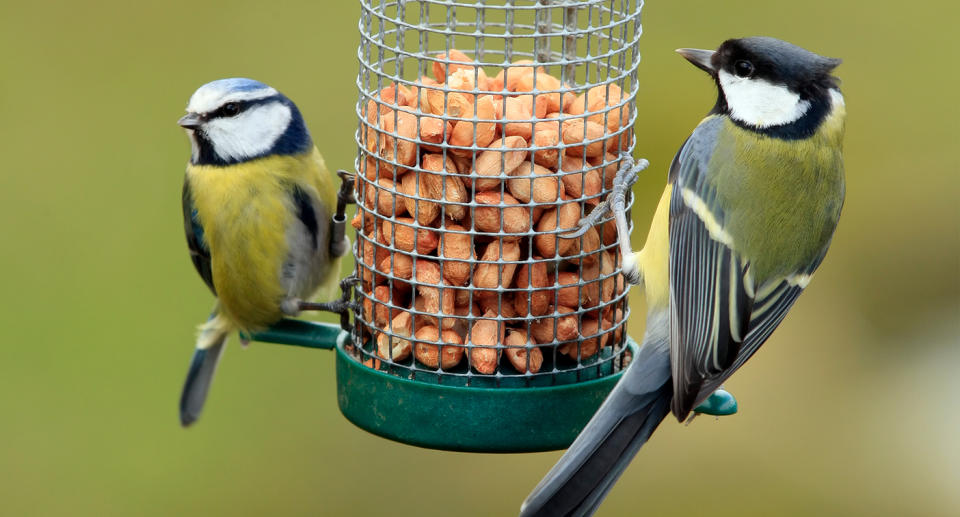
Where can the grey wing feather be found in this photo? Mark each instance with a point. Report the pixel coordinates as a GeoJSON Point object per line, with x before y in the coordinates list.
{"type": "Point", "coordinates": [199, 253]}
{"type": "Point", "coordinates": [717, 319]}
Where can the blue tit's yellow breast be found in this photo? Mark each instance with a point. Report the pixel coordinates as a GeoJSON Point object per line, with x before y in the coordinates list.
{"type": "Point", "coordinates": [245, 210]}
{"type": "Point", "coordinates": [780, 199]}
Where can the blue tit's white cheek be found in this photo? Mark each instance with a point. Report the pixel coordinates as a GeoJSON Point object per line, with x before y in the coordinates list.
{"type": "Point", "coordinates": [211, 96]}
{"type": "Point", "coordinates": [251, 133]}
{"type": "Point", "coordinates": [760, 103]}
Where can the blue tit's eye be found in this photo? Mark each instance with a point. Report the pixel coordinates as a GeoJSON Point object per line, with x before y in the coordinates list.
{"type": "Point", "coordinates": [230, 109]}
{"type": "Point", "coordinates": [743, 68]}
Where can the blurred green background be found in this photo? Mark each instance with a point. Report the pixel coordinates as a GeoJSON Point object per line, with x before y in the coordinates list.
{"type": "Point", "coordinates": [851, 409]}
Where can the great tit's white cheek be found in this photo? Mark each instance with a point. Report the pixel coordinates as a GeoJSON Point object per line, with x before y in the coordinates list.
{"type": "Point", "coordinates": [759, 102]}
{"type": "Point", "coordinates": [251, 133]}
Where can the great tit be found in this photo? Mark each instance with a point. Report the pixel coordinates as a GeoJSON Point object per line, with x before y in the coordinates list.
{"type": "Point", "coordinates": [751, 204]}
{"type": "Point", "coordinates": [258, 204]}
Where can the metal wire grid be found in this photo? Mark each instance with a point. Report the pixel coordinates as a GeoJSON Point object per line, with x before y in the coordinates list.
{"type": "Point", "coordinates": [400, 42]}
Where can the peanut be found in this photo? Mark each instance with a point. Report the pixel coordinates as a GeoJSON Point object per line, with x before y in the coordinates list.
{"type": "Point", "coordinates": [516, 109]}
{"type": "Point", "coordinates": [516, 349]}
{"type": "Point", "coordinates": [580, 184]}
{"type": "Point", "coordinates": [396, 348]}
{"type": "Point", "coordinates": [445, 186]}
{"type": "Point", "coordinates": [500, 159]}
{"type": "Point", "coordinates": [540, 297]}
{"type": "Point", "coordinates": [577, 131]}
{"type": "Point", "coordinates": [429, 353]}
{"type": "Point", "coordinates": [546, 243]}
{"type": "Point", "coordinates": [544, 189]}
{"type": "Point", "coordinates": [430, 285]}
{"type": "Point", "coordinates": [516, 219]}
{"type": "Point", "coordinates": [464, 131]}
{"type": "Point", "coordinates": [455, 245]}
{"type": "Point", "coordinates": [424, 211]}
{"type": "Point", "coordinates": [490, 276]}
{"type": "Point", "coordinates": [440, 70]}
{"type": "Point", "coordinates": [485, 333]}
{"type": "Point", "coordinates": [546, 134]}
{"type": "Point", "coordinates": [567, 329]}
{"type": "Point", "coordinates": [404, 237]}
{"type": "Point", "coordinates": [589, 346]}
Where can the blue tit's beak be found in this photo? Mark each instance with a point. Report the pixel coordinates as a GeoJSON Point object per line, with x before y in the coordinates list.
{"type": "Point", "coordinates": [702, 59]}
{"type": "Point", "coordinates": [190, 121]}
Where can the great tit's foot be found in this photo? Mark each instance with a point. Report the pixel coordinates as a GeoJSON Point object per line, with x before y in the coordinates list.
{"type": "Point", "coordinates": [626, 176]}
{"type": "Point", "coordinates": [345, 195]}
{"type": "Point", "coordinates": [588, 221]}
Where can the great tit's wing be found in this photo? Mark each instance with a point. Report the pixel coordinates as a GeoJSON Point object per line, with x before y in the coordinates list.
{"type": "Point", "coordinates": [199, 253]}
{"type": "Point", "coordinates": [710, 294]}
{"type": "Point", "coordinates": [770, 305]}
{"type": "Point", "coordinates": [719, 318]}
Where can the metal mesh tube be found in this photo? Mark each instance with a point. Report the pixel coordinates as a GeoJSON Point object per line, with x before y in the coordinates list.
{"type": "Point", "coordinates": [466, 183]}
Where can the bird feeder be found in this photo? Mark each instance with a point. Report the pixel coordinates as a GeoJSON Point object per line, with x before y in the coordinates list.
{"type": "Point", "coordinates": [476, 326]}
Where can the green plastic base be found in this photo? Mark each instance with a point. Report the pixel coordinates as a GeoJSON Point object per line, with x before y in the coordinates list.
{"type": "Point", "coordinates": [470, 419]}
{"type": "Point", "coordinates": [459, 418]}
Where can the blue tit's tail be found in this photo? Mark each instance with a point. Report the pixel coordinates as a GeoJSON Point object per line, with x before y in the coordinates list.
{"type": "Point", "coordinates": [213, 335]}
{"type": "Point", "coordinates": [577, 484]}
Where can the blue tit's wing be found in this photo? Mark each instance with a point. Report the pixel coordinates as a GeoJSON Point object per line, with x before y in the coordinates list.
{"type": "Point", "coordinates": [718, 317]}
{"type": "Point", "coordinates": [199, 253]}
{"type": "Point", "coordinates": [304, 203]}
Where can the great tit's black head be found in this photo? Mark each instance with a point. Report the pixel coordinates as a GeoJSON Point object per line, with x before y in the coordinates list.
{"type": "Point", "coordinates": [237, 120]}
{"type": "Point", "coordinates": [766, 82]}
{"type": "Point", "coordinates": [776, 62]}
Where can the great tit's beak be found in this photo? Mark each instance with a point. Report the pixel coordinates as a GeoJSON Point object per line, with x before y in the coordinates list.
{"type": "Point", "coordinates": [700, 58]}
{"type": "Point", "coordinates": [190, 121]}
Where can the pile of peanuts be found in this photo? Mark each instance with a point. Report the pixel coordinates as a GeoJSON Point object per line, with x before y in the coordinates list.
{"type": "Point", "coordinates": [459, 217]}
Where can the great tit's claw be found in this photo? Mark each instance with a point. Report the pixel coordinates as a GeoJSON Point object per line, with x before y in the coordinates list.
{"type": "Point", "coordinates": [588, 221]}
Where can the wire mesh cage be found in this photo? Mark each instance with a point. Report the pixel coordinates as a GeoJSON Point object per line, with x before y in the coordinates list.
{"type": "Point", "coordinates": [485, 132]}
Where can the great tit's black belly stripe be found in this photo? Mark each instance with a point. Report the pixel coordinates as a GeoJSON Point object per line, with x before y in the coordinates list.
{"type": "Point", "coordinates": [306, 214]}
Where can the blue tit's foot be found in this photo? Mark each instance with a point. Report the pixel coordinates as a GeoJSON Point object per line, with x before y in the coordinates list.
{"type": "Point", "coordinates": [349, 282]}
{"type": "Point", "coordinates": [343, 306]}
{"type": "Point", "coordinates": [339, 242]}
{"type": "Point", "coordinates": [340, 307]}
{"type": "Point", "coordinates": [345, 195]}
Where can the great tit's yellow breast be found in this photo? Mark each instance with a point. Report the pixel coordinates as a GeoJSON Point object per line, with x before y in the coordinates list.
{"type": "Point", "coordinates": [245, 210]}
{"type": "Point", "coordinates": [654, 258]}
{"type": "Point", "coordinates": [780, 199]}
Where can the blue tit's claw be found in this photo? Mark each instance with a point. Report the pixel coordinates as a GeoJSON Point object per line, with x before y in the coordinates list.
{"type": "Point", "coordinates": [340, 307]}
{"type": "Point", "coordinates": [346, 195]}
{"type": "Point", "coordinates": [349, 282]}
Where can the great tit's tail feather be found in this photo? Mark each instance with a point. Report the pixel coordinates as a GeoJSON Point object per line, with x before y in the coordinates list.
{"type": "Point", "coordinates": [577, 484]}
{"type": "Point", "coordinates": [210, 344]}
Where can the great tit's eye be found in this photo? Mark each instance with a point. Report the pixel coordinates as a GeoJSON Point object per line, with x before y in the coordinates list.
{"type": "Point", "coordinates": [230, 109]}
{"type": "Point", "coordinates": [743, 68]}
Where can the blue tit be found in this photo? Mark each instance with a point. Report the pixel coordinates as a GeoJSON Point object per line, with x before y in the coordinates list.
{"type": "Point", "coordinates": [751, 204]}
{"type": "Point", "coordinates": [258, 208]}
